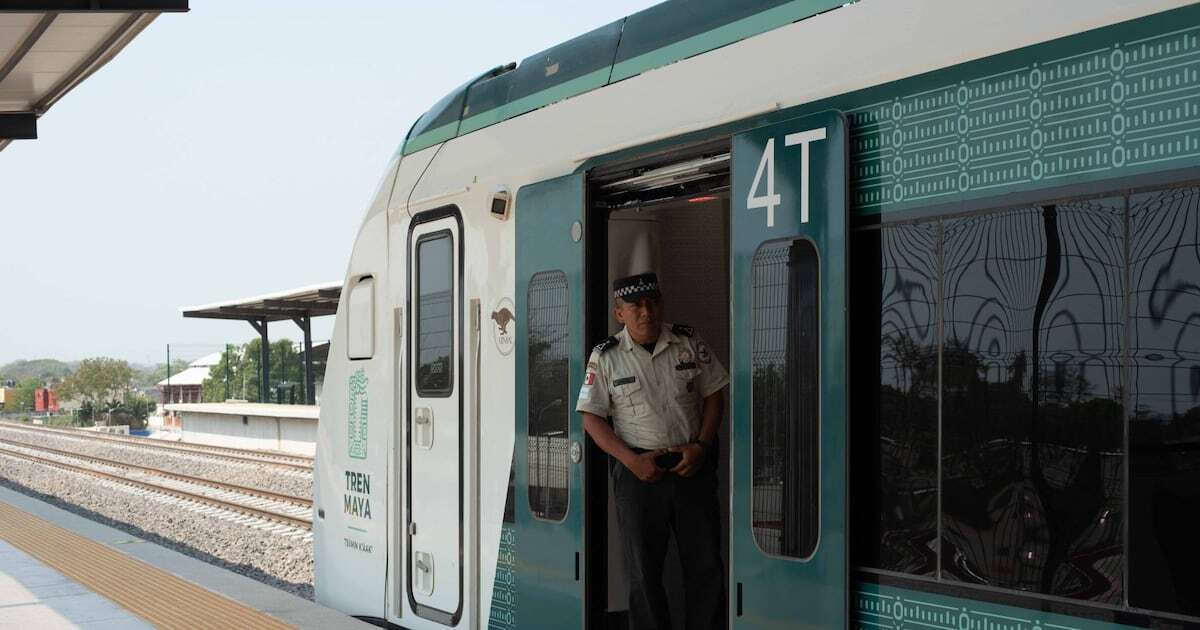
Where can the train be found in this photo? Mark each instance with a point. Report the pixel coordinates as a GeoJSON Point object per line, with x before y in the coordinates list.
{"type": "Point", "coordinates": [947, 249]}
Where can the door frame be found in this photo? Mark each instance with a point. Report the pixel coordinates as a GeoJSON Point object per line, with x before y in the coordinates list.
{"type": "Point", "coordinates": [428, 216]}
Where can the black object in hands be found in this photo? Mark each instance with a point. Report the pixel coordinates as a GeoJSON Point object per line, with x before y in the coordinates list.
{"type": "Point", "coordinates": [668, 460]}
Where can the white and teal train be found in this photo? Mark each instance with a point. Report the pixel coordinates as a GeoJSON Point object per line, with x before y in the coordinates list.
{"type": "Point", "coordinates": [949, 250]}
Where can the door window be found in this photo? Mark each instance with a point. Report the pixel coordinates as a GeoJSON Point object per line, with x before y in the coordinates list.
{"type": "Point", "coordinates": [785, 423]}
{"type": "Point", "coordinates": [435, 324]}
{"type": "Point", "coordinates": [549, 414]}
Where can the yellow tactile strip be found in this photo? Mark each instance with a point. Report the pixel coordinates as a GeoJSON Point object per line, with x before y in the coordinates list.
{"type": "Point", "coordinates": [148, 592]}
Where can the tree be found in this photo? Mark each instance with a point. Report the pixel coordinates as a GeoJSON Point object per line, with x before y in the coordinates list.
{"type": "Point", "coordinates": [23, 395]}
{"type": "Point", "coordinates": [240, 366]}
{"type": "Point", "coordinates": [41, 370]}
{"type": "Point", "coordinates": [97, 381]}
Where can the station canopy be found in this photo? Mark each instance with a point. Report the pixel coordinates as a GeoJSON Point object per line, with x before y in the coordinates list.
{"type": "Point", "coordinates": [311, 301]}
{"type": "Point", "coordinates": [47, 47]}
{"type": "Point", "coordinates": [298, 305]}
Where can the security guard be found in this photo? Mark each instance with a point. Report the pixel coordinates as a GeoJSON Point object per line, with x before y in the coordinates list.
{"type": "Point", "coordinates": [663, 389]}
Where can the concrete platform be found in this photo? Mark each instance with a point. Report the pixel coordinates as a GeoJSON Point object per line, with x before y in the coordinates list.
{"type": "Point", "coordinates": [33, 595]}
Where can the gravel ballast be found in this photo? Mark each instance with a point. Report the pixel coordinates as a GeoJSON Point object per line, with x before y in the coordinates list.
{"type": "Point", "coordinates": [262, 476]}
{"type": "Point", "coordinates": [280, 560]}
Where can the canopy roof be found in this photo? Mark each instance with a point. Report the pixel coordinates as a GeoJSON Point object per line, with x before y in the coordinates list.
{"type": "Point", "coordinates": [47, 47]}
{"type": "Point", "coordinates": [311, 301]}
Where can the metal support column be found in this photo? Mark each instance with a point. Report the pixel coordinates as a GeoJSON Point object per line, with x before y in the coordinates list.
{"type": "Point", "coordinates": [310, 382]}
{"type": "Point", "coordinates": [264, 358]}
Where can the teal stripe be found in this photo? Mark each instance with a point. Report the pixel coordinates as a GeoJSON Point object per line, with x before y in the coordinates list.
{"type": "Point", "coordinates": [431, 137]}
{"type": "Point", "coordinates": [879, 606]}
{"type": "Point", "coordinates": [479, 121]}
{"type": "Point", "coordinates": [564, 90]}
{"type": "Point", "coordinates": [722, 36]}
{"type": "Point", "coordinates": [690, 47]}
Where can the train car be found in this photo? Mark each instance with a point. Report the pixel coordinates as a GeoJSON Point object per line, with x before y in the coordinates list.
{"type": "Point", "coordinates": [947, 249]}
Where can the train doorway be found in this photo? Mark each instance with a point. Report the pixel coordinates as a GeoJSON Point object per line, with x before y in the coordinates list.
{"type": "Point", "coordinates": [668, 214]}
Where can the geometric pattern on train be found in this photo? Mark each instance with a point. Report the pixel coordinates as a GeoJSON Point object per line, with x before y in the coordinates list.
{"type": "Point", "coordinates": [877, 607]}
{"type": "Point", "coordinates": [504, 591]}
{"type": "Point", "coordinates": [1125, 105]}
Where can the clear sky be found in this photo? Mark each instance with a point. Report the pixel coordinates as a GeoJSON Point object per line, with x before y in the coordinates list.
{"type": "Point", "coordinates": [229, 152]}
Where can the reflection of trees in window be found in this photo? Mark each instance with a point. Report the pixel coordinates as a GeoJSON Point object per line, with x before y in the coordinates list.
{"type": "Point", "coordinates": [1165, 397]}
{"type": "Point", "coordinates": [784, 425]}
{"type": "Point", "coordinates": [895, 422]}
{"type": "Point", "coordinates": [435, 315]}
{"type": "Point", "coordinates": [1052, 317]}
{"type": "Point", "coordinates": [548, 395]}
{"type": "Point", "coordinates": [1032, 432]}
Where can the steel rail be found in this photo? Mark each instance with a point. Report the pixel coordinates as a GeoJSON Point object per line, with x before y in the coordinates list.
{"type": "Point", "coordinates": [181, 494]}
{"type": "Point", "coordinates": [299, 462]}
{"type": "Point", "coordinates": [219, 485]}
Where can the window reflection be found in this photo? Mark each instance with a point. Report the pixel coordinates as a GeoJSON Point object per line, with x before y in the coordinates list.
{"type": "Point", "coordinates": [435, 312]}
{"type": "Point", "coordinates": [1032, 405]}
{"type": "Point", "coordinates": [549, 414]}
{"type": "Point", "coordinates": [1165, 400]}
{"type": "Point", "coordinates": [896, 430]}
{"type": "Point", "coordinates": [785, 422]}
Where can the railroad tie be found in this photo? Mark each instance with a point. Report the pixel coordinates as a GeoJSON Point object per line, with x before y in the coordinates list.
{"type": "Point", "coordinates": [129, 582]}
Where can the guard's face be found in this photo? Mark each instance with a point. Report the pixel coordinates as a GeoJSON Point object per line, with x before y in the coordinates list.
{"type": "Point", "coordinates": [643, 317]}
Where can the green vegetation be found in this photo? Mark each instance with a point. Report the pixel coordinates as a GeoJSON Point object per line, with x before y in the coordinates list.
{"type": "Point", "coordinates": [235, 376]}
{"type": "Point", "coordinates": [37, 369]}
{"type": "Point", "coordinates": [22, 397]}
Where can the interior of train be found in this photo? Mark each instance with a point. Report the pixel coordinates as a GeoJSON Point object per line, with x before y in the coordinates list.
{"type": "Point", "coordinates": [669, 214]}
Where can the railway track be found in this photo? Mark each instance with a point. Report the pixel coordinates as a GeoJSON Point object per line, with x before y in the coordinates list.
{"type": "Point", "coordinates": [269, 506]}
{"type": "Point", "coordinates": [296, 462]}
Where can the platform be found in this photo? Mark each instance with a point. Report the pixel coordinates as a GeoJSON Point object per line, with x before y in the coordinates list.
{"type": "Point", "coordinates": [60, 570]}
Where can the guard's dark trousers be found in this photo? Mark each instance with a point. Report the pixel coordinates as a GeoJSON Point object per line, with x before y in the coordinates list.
{"type": "Point", "coordinates": [648, 513]}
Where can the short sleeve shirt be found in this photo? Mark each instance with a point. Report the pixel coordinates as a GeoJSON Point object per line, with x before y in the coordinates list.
{"type": "Point", "coordinates": [654, 398]}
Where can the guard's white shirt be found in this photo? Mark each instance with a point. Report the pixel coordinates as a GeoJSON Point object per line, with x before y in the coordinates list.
{"type": "Point", "coordinates": [655, 399]}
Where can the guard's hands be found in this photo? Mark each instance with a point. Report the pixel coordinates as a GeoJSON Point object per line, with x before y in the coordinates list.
{"type": "Point", "coordinates": [644, 467]}
{"type": "Point", "coordinates": [693, 459]}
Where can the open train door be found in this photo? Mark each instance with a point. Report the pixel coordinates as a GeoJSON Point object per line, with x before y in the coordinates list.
{"type": "Point", "coordinates": [549, 505]}
{"type": "Point", "coordinates": [788, 551]}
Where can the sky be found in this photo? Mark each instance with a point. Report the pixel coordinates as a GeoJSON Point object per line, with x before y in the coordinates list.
{"type": "Point", "coordinates": [229, 152]}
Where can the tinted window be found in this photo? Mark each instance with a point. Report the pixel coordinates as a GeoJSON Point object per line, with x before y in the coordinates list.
{"type": "Point", "coordinates": [895, 427]}
{"type": "Point", "coordinates": [549, 413]}
{"type": "Point", "coordinates": [1032, 433]}
{"type": "Point", "coordinates": [669, 22]}
{"type": "Point", "coordinates": [435, 313]}
{"type": "Point", "coordinates": [570, 60]}
{"type": "Point", "coordinates": [444, 112]}
{"type": "Point", "coordinates": [1165, 400]}
{"type": "Point", "coordinates": [785, 423]}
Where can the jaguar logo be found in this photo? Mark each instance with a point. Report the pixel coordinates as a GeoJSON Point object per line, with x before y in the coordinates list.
{"type": "Point", "coordinates": [504, 325]}
{"type": "Point", "coordinates": [502, 318]}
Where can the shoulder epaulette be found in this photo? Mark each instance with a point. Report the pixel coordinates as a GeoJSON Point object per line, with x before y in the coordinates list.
{"type": "Point", "coordinates": [680, 329]}
{"type": "Point", "coordinates": [606, 345]}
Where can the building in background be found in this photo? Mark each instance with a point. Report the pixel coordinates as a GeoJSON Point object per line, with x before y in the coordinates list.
{"type": "Point", "coordinates": [44, 400]}
{"type": "Point", "coordinates": [186, 386]}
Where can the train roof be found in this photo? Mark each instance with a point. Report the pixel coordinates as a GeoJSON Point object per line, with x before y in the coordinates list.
{"type": "Point", "coordinates": [652, 38]}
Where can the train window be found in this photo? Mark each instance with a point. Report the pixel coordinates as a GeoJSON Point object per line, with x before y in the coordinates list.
{"type": "Point", "coordinates": [1032, 433]}
{"type": "Point", "coordinates": [549, 411]}
{"type": "Point", "coordinates": [360, 327]}
{"type": "Point", "coordinates": [895, 425]}
{"type": "Point", "coordinates": [785, 423]}
{"type": "Point", "coordinates": [1164, 429]}
{"type": "Point", "coordinates": [435, 315]}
